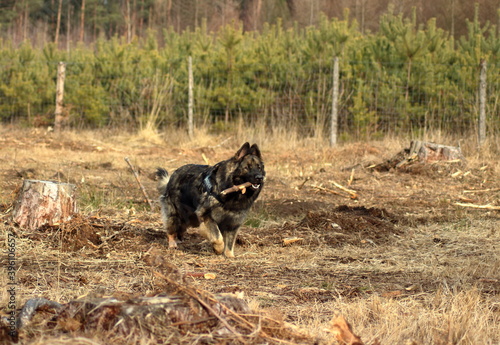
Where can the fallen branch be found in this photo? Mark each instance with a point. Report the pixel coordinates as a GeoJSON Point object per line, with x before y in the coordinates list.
{"type": "Point", "coordinates": [136, 175]}
{"type": "Point", "coordinates": [484, 207]}
{"type": "Point", "coordinates": [241, 187]}
{"type": "Point", "coordinates": [303, 183]}
{"type": "Point", "coordinates": [351, 177]}
{"type": "Point", "coordinates": [482, 190]}
{"type": "Point", "coordinates": [289, 240]}
{"type": "Point", "coordinates": [221, 143]}
{"type": "Point", "coordinates": [351, 192]}
{"type": "Point", "coordinates": [32, 306]}
{"type": "Point", "coordinates": [331, 191]}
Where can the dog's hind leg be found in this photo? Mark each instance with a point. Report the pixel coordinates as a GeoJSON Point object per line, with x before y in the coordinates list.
{"type": "Point", "coordinates": [174, 232]}
{"type": "Point", "coordinates": [213, 234]}
{"type": "Point", "coordinates": [171, 222]}
{"type": "Point", "coordinates": [229, 240]}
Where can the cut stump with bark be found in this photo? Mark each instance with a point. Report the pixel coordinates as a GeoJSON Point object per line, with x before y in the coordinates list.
{"type": "Point", "coordinates": [422, 152]}
{"type": "Point", "coordinates": [431, 152]}
{"type": "Point", "coordinates": [44, 203]}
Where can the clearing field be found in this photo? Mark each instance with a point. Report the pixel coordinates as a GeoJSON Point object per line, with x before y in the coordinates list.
{"type": "Point", "coordinates": [407, 261]}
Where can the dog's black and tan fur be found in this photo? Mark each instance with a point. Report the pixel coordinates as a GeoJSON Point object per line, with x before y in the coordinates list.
{"type": "Point", "coordinates": [192, 196]}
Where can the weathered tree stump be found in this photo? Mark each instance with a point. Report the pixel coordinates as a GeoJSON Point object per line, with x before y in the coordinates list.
{"type": "Point", "coordinates": [44, 203]}
{"type": "Point", "coordinates": [431, 152]}
{"type": "Point", "coordinates": [423, 152]}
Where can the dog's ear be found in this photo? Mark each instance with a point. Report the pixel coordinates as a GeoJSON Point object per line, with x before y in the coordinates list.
{"type": "Point", "coordinates": [243, 151]}
{"type": "Point", "coordinates": [255, 150]}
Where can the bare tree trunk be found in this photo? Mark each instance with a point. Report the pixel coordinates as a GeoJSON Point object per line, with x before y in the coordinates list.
{"type": "Point", "coordinates": [335, 99]}
{"type": "Point", "coordinates": [258, 10]}
{"type": "Point", "coordinates": [141, 18]}
{"type": "Point", "coordinates": [190, 98]}
{"type": "Point", "coordinates": [128, 22]}
{"type": "Point", "coordinates": [58, 25]}
{"type": "Point", "coordinates": [363, 9]}
{"type": "Point", "coordinates": [68, 30]}
{"type": "Point", "coordinates": [61, 76]}
{"type": "Point", "coordinates": [95, 22]}
{"type": "Point", "coordinates": [25, 22]}
{"type": "Point", "coordinates": [82, 21]}
{"type": "Point", "coordinates": [169, 13]}
{"type": "Point", "coordinates": [133, 26]}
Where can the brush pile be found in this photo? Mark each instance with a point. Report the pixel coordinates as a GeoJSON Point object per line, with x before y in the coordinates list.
{"type": "Point", "coordinates": [190, 316]}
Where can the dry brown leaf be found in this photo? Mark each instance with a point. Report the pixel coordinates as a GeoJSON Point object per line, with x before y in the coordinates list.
{"type": "Point", "coordinates": [343, 332]}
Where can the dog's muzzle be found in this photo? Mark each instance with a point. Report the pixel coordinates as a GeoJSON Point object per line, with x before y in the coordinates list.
{"type": "Point", "coordinates": [258, 179]}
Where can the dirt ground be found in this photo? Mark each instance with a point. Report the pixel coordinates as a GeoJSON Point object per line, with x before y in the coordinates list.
{"type": "Point", "coordinates": [307, 252]}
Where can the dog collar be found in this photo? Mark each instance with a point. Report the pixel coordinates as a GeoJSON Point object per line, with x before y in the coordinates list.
{"type": "Point", "coordinates": [209, 188]}
{"type": "Point", "coordinates": [208, 185]}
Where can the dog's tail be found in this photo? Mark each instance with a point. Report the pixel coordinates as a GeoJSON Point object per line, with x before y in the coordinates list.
{"type": "Point", "coordinates": [162, 178]}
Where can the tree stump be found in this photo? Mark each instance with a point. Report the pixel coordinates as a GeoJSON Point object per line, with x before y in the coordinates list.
{"type": "Point", "coordinates": [44, 203]}
{"type": "Point", "coordinates": [431, 152]}
{"type": "Point", "coordinates": [423, 152]}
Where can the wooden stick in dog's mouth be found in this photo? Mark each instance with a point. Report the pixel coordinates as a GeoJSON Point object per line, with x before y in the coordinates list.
{"type": "Point", "coordinates": [241, 187]}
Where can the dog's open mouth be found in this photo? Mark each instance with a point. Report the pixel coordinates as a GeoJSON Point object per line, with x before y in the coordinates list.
{"type": "Point", "coordinates": [255, 186]}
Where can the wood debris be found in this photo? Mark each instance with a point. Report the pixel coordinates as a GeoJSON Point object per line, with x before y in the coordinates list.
{"type": "Point", "coordinates": [353, 194]}
{"type": "Point", "coordinates": [423, 152]}
{"type": "Point", "coordinates": [289, 240]}
{"type": "Point", "coordinates": [141, 186]}
{"type": "Point", "coordinates": [345, 192]}
{"type": "Point", "coordinates": [220, 318]}
{"type": "Point", "coordinates": [484, 207]}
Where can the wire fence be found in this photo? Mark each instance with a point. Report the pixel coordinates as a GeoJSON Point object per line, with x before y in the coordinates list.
{"type": "Point", "coordinates": [375, 98]}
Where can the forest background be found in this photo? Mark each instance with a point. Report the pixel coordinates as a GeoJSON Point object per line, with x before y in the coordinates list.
{"type": "Point", "coordinates": [406, 67]}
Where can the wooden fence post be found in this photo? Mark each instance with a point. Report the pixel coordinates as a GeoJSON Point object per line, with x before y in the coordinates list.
{"type": "Point", "coordinates": [482, 104]}
{"type": "Point", "coordinates": [58, 115]}
{"type": "Point", "coordinates": [190, 98]}
{"type": "Point", "coordinates": [335, 99]}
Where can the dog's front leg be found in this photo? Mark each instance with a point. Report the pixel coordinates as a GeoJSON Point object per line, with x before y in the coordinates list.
{"type": "Point", "coordinates": [214, 236]}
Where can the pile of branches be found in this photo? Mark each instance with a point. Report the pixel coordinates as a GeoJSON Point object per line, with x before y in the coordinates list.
{"type": "Point", "coordinates": [189, 315]}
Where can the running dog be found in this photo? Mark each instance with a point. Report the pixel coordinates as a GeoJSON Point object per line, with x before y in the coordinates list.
{"type": "Point", "coordinates": [218, 196]}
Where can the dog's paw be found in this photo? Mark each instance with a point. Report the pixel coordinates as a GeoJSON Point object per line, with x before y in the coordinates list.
{"type": "Point", "coordinates": [172, 242]}
{"type": "Point", "coordinates": [218, 247]}
{"type": "Point", "coordinates": [228, 253]}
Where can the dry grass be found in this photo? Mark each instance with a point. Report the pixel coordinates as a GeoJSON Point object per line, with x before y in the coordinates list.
{"type": "Point", "coordinates": [434, 280]}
